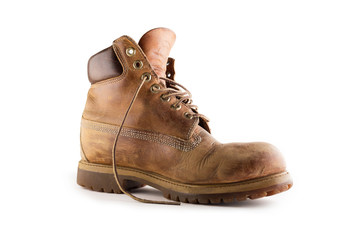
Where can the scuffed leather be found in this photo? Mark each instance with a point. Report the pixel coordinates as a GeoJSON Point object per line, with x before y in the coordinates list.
{"type": "Point", "coordinates": [209, 163]}
{"type": "Point", "coordinates": [108, 100]}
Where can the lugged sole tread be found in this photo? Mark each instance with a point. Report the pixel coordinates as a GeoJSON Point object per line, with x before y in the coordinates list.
{"type": "Point", "coordinates": [216, 200]}
{"type": "Point", "coordinates": [239, 197]}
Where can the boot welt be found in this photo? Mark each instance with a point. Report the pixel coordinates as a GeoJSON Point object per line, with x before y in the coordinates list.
{"type": "Point", "coordinates": [99, 177]}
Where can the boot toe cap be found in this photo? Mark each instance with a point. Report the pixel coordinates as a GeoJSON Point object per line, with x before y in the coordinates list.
{"type": "Point", "coordinates": [243, 161]}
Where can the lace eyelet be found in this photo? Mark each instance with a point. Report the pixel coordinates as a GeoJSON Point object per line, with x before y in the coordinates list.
{"type": "Point", "coordinates": [155, 88]}
{"type": "Point", "coordinates": [188, 115]}
{"type": "Point", "coordinates": [138, 64]}
{"type": "Point", "coordinates": [165, 99]}
{"type": "Point", "coordinates": [168, 75]}
{"type": "Point", "coordinates": [176, 107]}
{"type": "Point", "coordinates": [146, 76]}
{"type": "Point", "coordinates": [130, 51]}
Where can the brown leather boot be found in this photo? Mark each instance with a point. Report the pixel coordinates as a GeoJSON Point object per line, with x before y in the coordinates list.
{"type": "Point", "coordinates": [139, 128]}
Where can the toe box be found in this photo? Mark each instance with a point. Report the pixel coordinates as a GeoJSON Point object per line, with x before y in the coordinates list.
{"type": "Point", "coordinates": [244, 161]}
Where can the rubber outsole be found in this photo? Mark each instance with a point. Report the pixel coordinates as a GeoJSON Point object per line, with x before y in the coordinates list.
{"type": "Point", "coordinates": [99, 178]}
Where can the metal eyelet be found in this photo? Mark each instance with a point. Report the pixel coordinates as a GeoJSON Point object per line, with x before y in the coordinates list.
{"type": "Point", "coordinates": [165, 99]}
{"type": "Point", "coordinates": [146, 76]}
{"type": "Point", "coordinates": [176, 107]}
{"type": "Point", "coordinates": [155, 88]}
{"type": "Point", "coordinates": [168, 75]}
{"type": "Point", "coordinates": [130, 51]}
{"type": "Point", "coordinates": [188, 115]}
{"type": "Point", "coordinates": [138, 64]}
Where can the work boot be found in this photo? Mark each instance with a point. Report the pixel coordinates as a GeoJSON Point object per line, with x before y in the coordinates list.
{"type": "Point", "coordinates": [140, 127]}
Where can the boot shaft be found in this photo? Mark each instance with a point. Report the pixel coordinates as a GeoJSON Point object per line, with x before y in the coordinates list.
{"type": "Point", "coordinates": [115, 74]}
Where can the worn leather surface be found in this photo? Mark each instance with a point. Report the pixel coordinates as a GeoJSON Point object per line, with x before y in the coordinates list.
{"type": "Point", "coordinates": [210, 162]}
{"type": "Point", "coordinates": [107, 100]}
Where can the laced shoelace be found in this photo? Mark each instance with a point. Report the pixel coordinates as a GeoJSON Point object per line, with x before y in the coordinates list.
{"type": "Point", "coordinates": [184, 97]}
{"type": "Point", "coordinates": [171, 90]}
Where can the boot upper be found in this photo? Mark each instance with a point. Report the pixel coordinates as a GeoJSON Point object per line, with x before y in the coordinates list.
{"type": "Point", "coordinates": [156, 137]}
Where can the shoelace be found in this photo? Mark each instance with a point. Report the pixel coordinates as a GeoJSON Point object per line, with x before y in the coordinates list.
{"type": "Point", "coordinates": [170, 91]}
{"type": "Point", "coordinates": [181, 96]}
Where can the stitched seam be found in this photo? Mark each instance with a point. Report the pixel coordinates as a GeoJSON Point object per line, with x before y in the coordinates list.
{"type": "Point", "coordinates": [116, 127]}
{"type": "Point", "coordinates": [179, 184]}
{"type": "Point", "coordinates": [181, 145]}
{"type": "Point", "coordinates": [108, 81]}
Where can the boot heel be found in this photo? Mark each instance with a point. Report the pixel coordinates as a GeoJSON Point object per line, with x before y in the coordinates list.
{"type": "Point", "coordinates": [102, 181]}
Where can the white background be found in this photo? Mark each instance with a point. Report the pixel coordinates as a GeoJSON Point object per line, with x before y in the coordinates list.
{"type": "Point", "coordinates": [285, 72]}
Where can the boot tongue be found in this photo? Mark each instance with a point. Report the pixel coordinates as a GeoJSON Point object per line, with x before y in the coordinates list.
{"type": "Point", "coordinates": [156, 45]}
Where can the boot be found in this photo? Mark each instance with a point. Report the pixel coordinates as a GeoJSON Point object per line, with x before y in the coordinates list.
{"type": "Point", "coordinates": [139, 127]}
